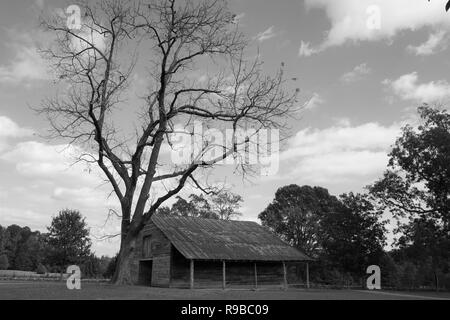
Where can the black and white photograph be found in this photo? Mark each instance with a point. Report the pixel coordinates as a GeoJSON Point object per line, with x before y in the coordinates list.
{"type": "Point", "coordinates": [232, 157]}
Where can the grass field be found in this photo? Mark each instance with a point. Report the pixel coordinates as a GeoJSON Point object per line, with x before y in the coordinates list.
{"type": "Point", "coordinates": [96, 291]}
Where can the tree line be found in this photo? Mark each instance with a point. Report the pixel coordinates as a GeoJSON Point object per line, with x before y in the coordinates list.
{"type": "Point", "coordinates": [66, 243]}
{"type": "Point", "coordinates": [346, 234]}
{"type": "Point", "coordinates": [222, 205]}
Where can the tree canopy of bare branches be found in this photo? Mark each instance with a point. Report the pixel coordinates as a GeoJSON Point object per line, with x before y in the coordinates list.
{"type": "Point", "coordinates": [169, 38]}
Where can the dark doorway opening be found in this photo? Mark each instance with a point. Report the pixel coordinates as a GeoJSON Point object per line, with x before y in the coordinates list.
{"type": "Point", "coordinates": [145, 272]}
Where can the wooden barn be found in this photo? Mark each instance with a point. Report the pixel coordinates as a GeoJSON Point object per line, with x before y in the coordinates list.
{"type": "Point", "coordinates": [197, 253]}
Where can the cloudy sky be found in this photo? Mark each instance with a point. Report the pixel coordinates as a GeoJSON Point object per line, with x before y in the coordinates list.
{"type": "Point", "coordinates": [367, 64]}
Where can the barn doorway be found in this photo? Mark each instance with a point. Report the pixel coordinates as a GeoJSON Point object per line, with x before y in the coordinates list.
{"type": "Point", "coordinates": [145, 272]}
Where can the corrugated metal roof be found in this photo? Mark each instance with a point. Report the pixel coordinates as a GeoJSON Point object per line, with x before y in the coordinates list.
{"type": "Point", "coordinates": [210, 239]}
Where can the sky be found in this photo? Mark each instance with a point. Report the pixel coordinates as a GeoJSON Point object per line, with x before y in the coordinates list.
{"type": "Point", "coordinates": [366, 64]}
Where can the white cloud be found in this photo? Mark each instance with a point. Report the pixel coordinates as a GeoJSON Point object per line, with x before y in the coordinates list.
{"type": "Point", "coordinates": [306, 50]}
{"type": "Point", "coordinates": [342, 122]}
{"type": "Point", "coordinates": [84, 197]}
{"type": "Point", "coordinates": [9, 130]}
{"type": "Point", "coordinates": [54, 163]}
{"type": "Point", "coordinates": [339, 155]}
{"type": "Point", "coordinates": [315, 101]}
{"type": "Point", "coordinates": [436, 42]}
{"type": "Point", "coordinates": [407, 87]}
{"type": "Point", "coordinates": [369, 20]}
{"type": "Point", "coordinates": [357, 73]}
{"type": "Point", "coordinates": [266, 35]}
{"type": "Point", "coordinates": [27, 65]}
{"type": "Point", "coordinates": [40, 3]}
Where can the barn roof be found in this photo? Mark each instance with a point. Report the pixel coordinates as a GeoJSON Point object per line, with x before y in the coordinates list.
{"type": "Point", "coordinates": [210, 239]}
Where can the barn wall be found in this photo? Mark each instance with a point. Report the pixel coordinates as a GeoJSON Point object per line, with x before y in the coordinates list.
{"type": "Point", "coordinates": [208, 274]}
{"type": "Point", "coordinates": [152, 244]}
{"type": "Point", "coordinates": [161, 271]}
{"type": "Point", "coordinates": [240, 274]}
{"type": "Point", "coordinates": [135, 258]}
{"type": "Point", "coordinates": [180, 270]}
{"type": "Point", "coordinates": [270, 273]}
{"type": "Point", "coordinates": [243, 273]}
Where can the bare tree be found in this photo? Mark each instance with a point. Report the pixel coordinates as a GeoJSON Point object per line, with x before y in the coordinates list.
{"type": "Point", "coordinates": [170, 38]}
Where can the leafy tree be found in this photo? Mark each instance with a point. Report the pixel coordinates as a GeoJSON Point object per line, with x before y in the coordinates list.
{"type": "Point", "coordinates": [111, 268]}
{"type": "Point", "coordinates": [226, 205]}
{"type": "Point", "coordinates": [295, 215]}
{"type": "Point", "coordinates": [91, 268]}
{"type": "Point", "coordinates": [4, 264]}
{"type": "Point", "coordinates": [202, 207]}
{"type": "Point", "coordinates": [223, 205]}
{"type": "Point", "coordinates": [41, 269]}
{"type": "Point", "coordinates": [68, 238]}
{"type": "Point", "coordinates": [353, 236]}
{"type": "Point", "coordinates": [12, 239]}
{"type": "Point", "coordinates": [2, 239]}
{"type": "Point", "coordinates": [97, 65]}
{"type": "Point", "coordinates": [417, 182]}
{"type": "Point", "coordinates": [344, 233]}
{"type": "Point", "coordinates": [23, 247]}
{"type": "Point", "coordinates": [416, 189]}
{"type": "Point", "coordinates": [164, 210]}
{"type": "Point", "coordinates": [422, 241]}
{"type": "Point", "coordinates": [104, 262]}
{"type": "Point", "coordinates": [183, 208]}
{"type": "Point", "coordinates": [30, 251]}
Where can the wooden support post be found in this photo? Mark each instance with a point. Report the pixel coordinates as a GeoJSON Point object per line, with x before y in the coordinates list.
{"type": "Point", "coordinates": [256, 277]}
{"type": "Point", "coordinates": [307, 275]}
{"type": "Point", "coordinates": [224, 276]}
{"type": "Point", "coordinates": [192, 275]}
{"type": "Point", "coordinates": [285, 276]}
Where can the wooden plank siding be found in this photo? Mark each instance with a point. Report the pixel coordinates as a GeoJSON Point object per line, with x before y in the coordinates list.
{"type": "Point", "coordinates": [209, 274]}
{"type": "Point", "coordinates": [243, 274]}
{"type": "Point", "coordinates": [155, 243]}
{"type": "Point", "coordinates": [156, 246]}
{"type": "Point", "coordinates": [161, 271]}
{"type": "Point", "coordinates": [180, 270]}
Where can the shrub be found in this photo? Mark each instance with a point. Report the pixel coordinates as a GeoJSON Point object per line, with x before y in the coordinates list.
{"type": "Point", "coordinates": [111, 268]}
{"type": "Point", "coordinates": [41, 269]}
{"type": "Point", "coordinates": [4, 263]}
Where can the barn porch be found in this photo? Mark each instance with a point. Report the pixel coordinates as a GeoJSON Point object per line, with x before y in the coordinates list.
{"type": "Point", "coordinates": [201, 274]}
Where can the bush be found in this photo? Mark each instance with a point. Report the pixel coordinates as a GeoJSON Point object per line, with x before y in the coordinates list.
{"type": "Point", "coordinates": [111, 268]}
{"type": "Point", "coordinates": [4, 263]}
{"type": "Point", "coordinates": [41, 269]}
{"type": "Point", "coordinates": [90, 267]}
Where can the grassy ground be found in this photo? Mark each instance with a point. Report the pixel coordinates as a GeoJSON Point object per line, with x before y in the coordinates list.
{"type": "Point", "coordinates": [91, 291]}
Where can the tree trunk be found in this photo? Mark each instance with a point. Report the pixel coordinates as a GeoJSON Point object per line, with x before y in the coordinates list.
{"type": "Point", "coordinates": [436, 280]}
{"type": "Point", "coordinates": [123, 273]}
